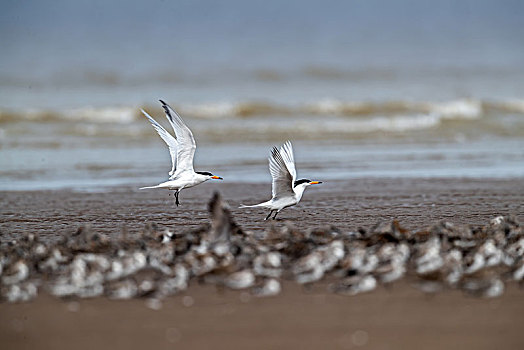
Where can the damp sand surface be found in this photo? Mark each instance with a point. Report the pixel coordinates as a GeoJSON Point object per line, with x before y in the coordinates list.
{"type": "Point", "coordinates": [400, 317]}
{"type": "Point", "coordinates": [347, 205]}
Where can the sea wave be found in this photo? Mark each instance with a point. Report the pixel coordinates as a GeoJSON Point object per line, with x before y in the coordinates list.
{"type": "Point", "coordinates": [510, 106]}
{"type": "Point", "coordinates": [464, 109]}
{"type": "Point", "coordinates": [91, 114]}
{"type": "Point", "coordinates": [459, 109]}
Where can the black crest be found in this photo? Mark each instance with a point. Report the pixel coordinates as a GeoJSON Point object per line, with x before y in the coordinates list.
{"type": "Point", "coordinates": [204, 173]}
{"type": "Point", "coordinates": [301, 181]}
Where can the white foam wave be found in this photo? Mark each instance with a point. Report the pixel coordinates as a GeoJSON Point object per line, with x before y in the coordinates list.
{"type": "Point", "coordinates": [459, 109]}
{"type": "Point", "coordinates": [463, 109]}
{"type": "Point", "coordinates": [338, 107]}
{"type": "Point", "coordinates": [211, 110]}
{"type": "Point", "coordinates": [327, 106]}
{"type": "Point", "coordinates": [368, 125]}
{"type": "Point", "coordinates": [111, 115]}
{"type": "Point", "coordinates": [87, 114]}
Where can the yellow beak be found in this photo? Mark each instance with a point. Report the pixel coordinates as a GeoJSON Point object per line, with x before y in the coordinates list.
{"type": "Point", "coordinates": [315, 182]}
{"type": "Point", "coordinates": [217, 177]}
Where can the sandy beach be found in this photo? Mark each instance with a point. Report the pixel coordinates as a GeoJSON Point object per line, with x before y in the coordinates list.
{"type": "Point", "coordinates": [398, 317]}
{"type": "Point", "coordinates": [348, 205]}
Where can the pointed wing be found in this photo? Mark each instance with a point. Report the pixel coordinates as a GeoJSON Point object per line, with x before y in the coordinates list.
{"type": "Point", "coordinates": [283, 178]}
{"type": "Point", "coordinates": [168, 139]}
{"type": "Point", "coordinates": [286, 151]}
{"type": "Point", "coordinates": [186, 141]}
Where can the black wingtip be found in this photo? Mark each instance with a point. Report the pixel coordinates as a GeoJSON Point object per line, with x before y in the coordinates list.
{"type": "Point", "coordinates": [165, 106]}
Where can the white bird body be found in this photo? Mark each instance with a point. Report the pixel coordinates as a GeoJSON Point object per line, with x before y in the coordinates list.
{"type": "Point", "coordinates": [286, 190]}
{"type": "Point", "coordinates": [181, 182]}
{"type": "Point", "coordinates": [182, 148]}
{"type": "Point", "coordinates": [282, 202]}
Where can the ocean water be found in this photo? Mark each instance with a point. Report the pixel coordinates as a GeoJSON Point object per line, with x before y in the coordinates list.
{"type": "Point", "coordinates": [363, 89]}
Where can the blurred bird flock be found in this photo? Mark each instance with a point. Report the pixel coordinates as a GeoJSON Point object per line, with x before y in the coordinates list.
{"type": "Point", "coordinates": [155, 264]}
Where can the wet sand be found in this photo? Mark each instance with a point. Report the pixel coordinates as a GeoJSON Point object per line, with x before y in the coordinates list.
{"type": "Point", "coordinates": [397, 318]}
{"type": "Point", "coordinates": [348, 205]}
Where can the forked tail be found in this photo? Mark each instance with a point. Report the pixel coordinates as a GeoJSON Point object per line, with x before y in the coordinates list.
{"type": "Point", "coordinates": [149, 187]}
{"type": "Point", "coordinates": [253, 206]}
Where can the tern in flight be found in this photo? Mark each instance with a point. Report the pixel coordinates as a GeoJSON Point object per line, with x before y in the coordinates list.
{"type": "Point", "coordinates": [182, 150]}
{"type": "Point", "coordinates": [287, 190]}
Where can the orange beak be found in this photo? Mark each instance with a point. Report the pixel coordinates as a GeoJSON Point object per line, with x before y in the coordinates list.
{"type": "Point", "coordinates": [217, 177]}
{"type": "Point", "coordinates": [315, 182]}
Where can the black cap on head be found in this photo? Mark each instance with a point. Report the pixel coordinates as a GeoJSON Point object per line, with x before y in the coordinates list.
{"type": "Point", "coordinates": [204, 173]}
{"type": "Point", "coordinates": [301, 181]}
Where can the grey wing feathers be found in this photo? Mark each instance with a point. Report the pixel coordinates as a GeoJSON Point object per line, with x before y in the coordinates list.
{"type": "Point", "coordinates": [282, 178]}
{"type": "Point", "coordinates": [174, 118]}
{"type": "Point", "coordinates": [186, 141]}
{"type": "Point", "coordinates": [168, 139]}
{"type": "Point", "coordinates": [286, 151]}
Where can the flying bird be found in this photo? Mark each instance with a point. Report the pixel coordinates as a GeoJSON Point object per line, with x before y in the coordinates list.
{"type": "Point", "coordinates": [287, 190]}
{"type": "Point", "coordinates": [182, 148]}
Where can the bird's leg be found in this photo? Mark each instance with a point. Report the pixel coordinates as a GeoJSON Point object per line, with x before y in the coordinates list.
{"type": "Point", "coordinates": [176, 198]}
{"type": "Point", "coordinates": [269, 215]}
{"type": "Point", "coordinates": [275, 216]}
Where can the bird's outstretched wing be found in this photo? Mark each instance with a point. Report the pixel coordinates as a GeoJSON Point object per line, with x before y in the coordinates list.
{"type": "Point", "coordinates": [168, 139]}
{"type": "Point", "coordinates": [283, 174]}
{"type": "Point", "coordinates": [286, 151]}
{"type": "Point", "coordinates": [186, 141]}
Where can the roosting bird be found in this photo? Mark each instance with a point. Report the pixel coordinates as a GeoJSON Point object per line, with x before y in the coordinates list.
{"type": "Point", "coordinates": [182, 148]}
{"type": "Point", "coordinates": [287, 190]}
